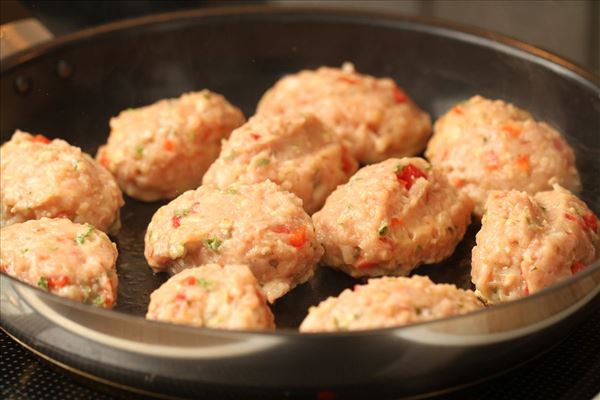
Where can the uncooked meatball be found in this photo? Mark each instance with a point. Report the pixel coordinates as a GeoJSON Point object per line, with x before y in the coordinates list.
{"type": "Point", "coordinates": [388, 302]}
{"type": "Point", "coordinates": [40, 177]}
{"type": "Point", "coordinates": [71, 260]}
{"type": "Point", "coordinates": [484, 145]}
{"type": "Point", "coordinates": [257, 225]}
{"type": "Point", "coordinates": [373, 117]}
{"type": "Point", "coordinates": [212, 296]}
{"type": "Point", "coordinates": [391, 217]}
{"type": "Point", "coordinates": [162, 150]}
{"type": "Point", "coordinates": [295, 151]}
{"type": "Point", "coordinates": [527, 243]}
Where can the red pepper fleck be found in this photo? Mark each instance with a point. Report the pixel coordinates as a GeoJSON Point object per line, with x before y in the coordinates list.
{"type": "Point", "coordinates": [108, 302]}
{"type": "Point", "coordinates": [180, 297]}
{"type": "Point", "coordinates": [347, 165]}
{"type": "Point", "coordinates": [459, 182]}
{"type": "Point", "coordinates": [577, 267]}
{"type": "Point", "coordinates": [396, 221]}
{"type": "Point", "coordinates": [570, 217]}
{"type": "Point", "coordinates": [523, 162]}
{"type": "Point", "coordinates": [280, 229]}
{"type": "Point", "coordinates": [168, 145]}
{"type": "Point", "coordinates": [104, 161]}
{"type": "Point", "coordinates": [591, 222]}
{"type": "Point", "coordinates": [189, 281]}
{"type": "Point", "coordinates": [512, 130]}
{"type": "Point", "coordinates": [41, 139]}
{"type": "Point", "coordinates": [408, 175]}
{"type": "Point", "coordinates": [255, 136]}
{"type": "Point", "coordinates": [176, 221]}
{"type": "Point", "coordinates": [458, 110]}
{"type": "Point", "coordinates": [491, 160]}
{"type": "Point", "coordinates": [348, 79]}
{"type": "Point", "coordinates": [399, 95]}
{"type": "Point", "coordinates": [58, 282]}
{"type": "Point", "coordinates": [526, 291]}
{"type": "Point", "coordinates": [558, 144]}
{"type": "Point", "coordinates": [298, 237]}
{"type": "Point", "coordinates": [366, 265]}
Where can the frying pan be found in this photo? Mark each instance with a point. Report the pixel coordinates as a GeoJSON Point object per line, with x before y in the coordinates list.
{"type": "Point", "coordinates": [71, 86]}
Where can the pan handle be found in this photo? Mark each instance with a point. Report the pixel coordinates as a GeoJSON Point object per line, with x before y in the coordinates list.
{"type": "Point", "coordinates": [20, 35]}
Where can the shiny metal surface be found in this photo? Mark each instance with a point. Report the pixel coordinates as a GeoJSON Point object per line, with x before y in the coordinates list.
{"type": "Point", "coordinates": [135, 62]}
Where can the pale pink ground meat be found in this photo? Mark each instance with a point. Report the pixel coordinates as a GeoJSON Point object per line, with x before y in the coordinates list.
{"type": "Point", "coordinates": [391, 217]}
{"type": "Point", "coordinates": [257, 225]}
{"type": "Point", "coordinates": [484, 145]}
{"type": "Point", "coordinates": [70, 260]}
{"type": "Point", "coordinates": [212, 296]}
{"type": "Point", "coordinates": [388, 302]}
{"type": "Point", "coordinates": [527, 243]}
{"type": "Point", "coordinates": [44, 178]}
{"type": "Point", "coordinates": [373, 117]}
{"type": "Point", "coordinates": [162, 150]}
{"type": "Point", "coordinates": [295, 151]}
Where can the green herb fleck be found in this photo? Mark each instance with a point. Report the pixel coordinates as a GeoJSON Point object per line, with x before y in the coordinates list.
{"type": "Point", "coordinates": [139, 150]}
{"type": "Point", "coordinates": [232, 191]}
{"type": "Point", "coordinates": [80, 239]}
{"type": "Point", "coordinates": [176, 251]}
{"type": "Point", "coordinates": [213, 243]}
{"type": "Point", "coordinates": [382, 230]}
{"type": "Point", "coordinates": [203, 283]}
{"type": "Point", "coordinates": [263, 162]}
{"type": "Point", "coordinates": [182, 212]}
{"type": "Point", "coordinates": [109, 274]}
{"type": "Point", "coordinates": [206, 95]}
{"type": "Point", "coordinates": [43, 283]}
{"type": "Point", "coordinates": [98, 300]}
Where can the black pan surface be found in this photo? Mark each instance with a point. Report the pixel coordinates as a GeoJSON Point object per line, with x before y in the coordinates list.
{"type": "Point", "coordinates": [71, 87]}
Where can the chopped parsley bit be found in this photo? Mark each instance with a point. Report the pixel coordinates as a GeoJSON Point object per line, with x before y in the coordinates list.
{"type": "Point", "coordinates": [263, 162]}
{"type": "Point", "coordinates": [43, 283]}
{"type": "Point", "coordinates": [80, 239]}
{"type": "Point", "coordinates": [232, 191]}
{"type": "Point", "coordinates": [206, 95]}
{"type": "Point", "coordinates": [382, 230]}
{"type": "Point", "coordinates": [428, 167]}
{"type": "Point", "coordinates": [213, 243]}
{"type": "Point", "coordinates": [139, 150]}
{"type": "Point", "coordinates": [356, 252]}
{"type": "Point", "coordinates": [203, 283]}
{"type": "Point", "coordinates": [182, 212]}
{"type": "Point", "coordinates": [86, 293]}
{"type": "Point", "coordinates": [398, 168]}
{"type": "Point", "coordinates": [109, 274]}
{"type": "Point", "coordinates": [98, 300]}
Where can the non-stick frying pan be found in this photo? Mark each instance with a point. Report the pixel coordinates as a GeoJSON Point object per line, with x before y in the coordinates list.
{"type": "Point", "coordinates": [70, 87]}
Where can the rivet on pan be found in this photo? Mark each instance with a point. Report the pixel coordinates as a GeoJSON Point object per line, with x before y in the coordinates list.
{"type": "Point", "coordinates": [22, 84]}
{"type": "Point", "coordinates": [64, 69]}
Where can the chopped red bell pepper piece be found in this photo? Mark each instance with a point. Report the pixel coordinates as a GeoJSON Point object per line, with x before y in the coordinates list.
{"type": "Point", "coordinates": [408, 175]}
{"type": "Point", "coordinates": [58, 282]}
{"type": "Point", "coordinates": [591, 222]}
{"type": "Point", "coordinates": [176, 221]}
{"type": "Point", "coordinates": [168, 145]}
{"type": "Point", "coordinates": [577, 267]}
{"type": "Point", "coordinates": [41, 139]}
{"type": "Point", "coordinates": [190, 281]}
{"type": "Point", "coordinates": [298, 237]}
{"type": "Point", "coordinates": [399, 95]}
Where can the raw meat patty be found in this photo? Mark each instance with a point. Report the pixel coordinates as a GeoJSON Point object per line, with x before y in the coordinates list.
{"type": "Point", "coordinates": [484, 145]}
{"type": "Point", "coordinates": [391, 217]}
{"type": "Point", "coordinates": [388, 302]}
{"type": "Point", "coordinates": [68, 259]}
{"type": "Point", "coordinates": [212, 296]}
{"type": "Point", "coordinates": [295, 151]}
{"type": "Point", "coordinates": [527, 243]}
{"type": "Point", "coordinates": [162, 150]}
{"type": "Point", "coordinates": [44, 178]}
{"type": "Point", "coordinates": [373, 117]}
{"type": "Point", "coordinates": [257, 225]}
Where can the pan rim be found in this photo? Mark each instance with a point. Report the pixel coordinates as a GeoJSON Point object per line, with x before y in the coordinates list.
{"type": "Point", "coordinates": [378, 18]}
{"type": "Point", "coordinates": [502, 43]}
